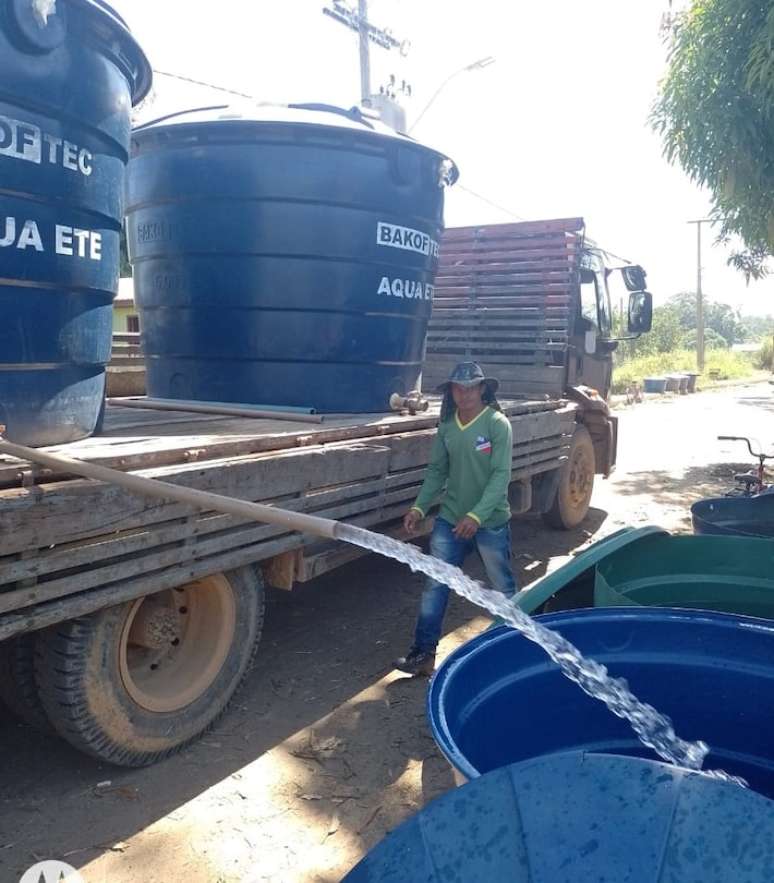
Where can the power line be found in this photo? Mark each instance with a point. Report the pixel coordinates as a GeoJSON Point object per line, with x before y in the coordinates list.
{"type": "Point", "coordinates": [491, 202]}
{"type": "Point", "coordinates": [507, 211]}
{"type": "Point", "coordinates": [468, 190]}
{"type": "Point", "coordinates": [202, 83]}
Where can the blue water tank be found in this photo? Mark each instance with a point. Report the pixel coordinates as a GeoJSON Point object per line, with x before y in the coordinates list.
{"type": "Point", "coordinates": [738, 516]}
{"type": "Point", "coordinates": [70, 72]}
{"type": "Point", "coordinates": [582, 818]}
{"type": "Point", "coordinates": [285, 256]}
{"type": "Point", "coordinates": [499, 699]}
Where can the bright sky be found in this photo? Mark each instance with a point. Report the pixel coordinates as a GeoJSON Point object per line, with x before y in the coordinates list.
{"type": "Point", "coordinates": [556, 127]}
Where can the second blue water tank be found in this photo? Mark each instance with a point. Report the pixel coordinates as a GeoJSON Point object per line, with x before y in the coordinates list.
{"type": "Point", "coordinates": [284, 257]}
{"type": "Point", "coordinates": [69, 73]}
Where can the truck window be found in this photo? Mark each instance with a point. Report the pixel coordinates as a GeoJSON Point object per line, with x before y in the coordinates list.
{"type": "Point", "coordinates": [588, 297]}
{"type": "Point", "coordinates": [605, 310]}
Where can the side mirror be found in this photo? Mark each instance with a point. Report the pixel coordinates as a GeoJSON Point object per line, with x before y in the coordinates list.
{"type": "Point", "coordinates": [634, 278]}
{"type": "Point", "coordinates": [640, 312]}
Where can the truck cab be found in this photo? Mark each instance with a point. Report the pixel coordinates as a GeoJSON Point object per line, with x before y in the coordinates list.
{"type": "Point", "coordinates": [592, 340]}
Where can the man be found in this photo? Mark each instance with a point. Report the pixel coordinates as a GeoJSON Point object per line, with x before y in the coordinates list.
{"type": "Point", "coordinates": [470, 470]}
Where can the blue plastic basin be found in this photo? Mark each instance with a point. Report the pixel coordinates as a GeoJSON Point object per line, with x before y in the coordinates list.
{"type": "Point", "coordinates": [655, 384]}
{"type": "Point", "coordinates": [582, 818]}
{"type": "Point", "coordinates": [499, 699]}
{"type": "Point", "coordinates": [738, 516]}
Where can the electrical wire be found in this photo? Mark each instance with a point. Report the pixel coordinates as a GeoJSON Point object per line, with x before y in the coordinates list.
{"type": "Point", "coordinates": [202, 83]}
{"type": "Point", "coordinates": [462, 187]}
{"type": "Point", "coordinates": [490, 202]}
{"type": "Point", "coordinates": [507, 211]}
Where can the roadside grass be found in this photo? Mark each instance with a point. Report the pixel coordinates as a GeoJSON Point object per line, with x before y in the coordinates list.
{"type": "Point", "coordinates": [727, 364]}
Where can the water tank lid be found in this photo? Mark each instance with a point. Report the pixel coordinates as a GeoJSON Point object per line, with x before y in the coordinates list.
{"type": "Point", "coordinates": [136, 64]}
{"type": "Point", "coordinates": [313, 114]}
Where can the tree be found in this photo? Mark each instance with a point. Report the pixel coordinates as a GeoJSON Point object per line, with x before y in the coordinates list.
{"type": "Point", "coordinates": [126, 267]}
{"type": "Point", "coordinates": [665, 336]}
{"type": "Point", "coordinates": [719, 317]}
{"type": "Point", "coordinates": [715, 113]}
{"type": "Point", "coordinates": [758, 327]}
{"type": "Point", "coordinates": [712, 340]}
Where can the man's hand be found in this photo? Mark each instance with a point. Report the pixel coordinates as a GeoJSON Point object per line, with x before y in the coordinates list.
{"type": "Point", "coordinates": [411, 520]}
{"type": "Point", "coordinates": [466, 528]}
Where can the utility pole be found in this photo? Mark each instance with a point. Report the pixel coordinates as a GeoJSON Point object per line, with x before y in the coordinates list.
{"type": "Point", "coordinates": [357, 20]}
{"type": "Point", "coordinates": [699, 296]}
{"type": "Point", "coordinates": [365, 54]}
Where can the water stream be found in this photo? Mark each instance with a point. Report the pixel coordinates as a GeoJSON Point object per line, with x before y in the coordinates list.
{"type": "Point", "coordinates": [653, 729]}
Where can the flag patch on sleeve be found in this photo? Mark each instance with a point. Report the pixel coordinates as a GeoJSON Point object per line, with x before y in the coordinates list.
{"type": "Point", "coordinates": [484, 445]}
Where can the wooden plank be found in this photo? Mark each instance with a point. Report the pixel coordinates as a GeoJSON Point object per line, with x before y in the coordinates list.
{"type": "Point", "coordinates": [502, 272]}
{"type": "Point", "coordinates": [488, 345]}
{"type": "Point", "coordinates": [71, 556]}
{"type": "Point", "coordinates": [523, 228]}
{"type": "Point", "coordinates": [406, 462]}
{"type": "Point", "coordinates": [49, 613]}
{"type": "Point", "coordinates": [70, 511]}
{"type": "Point", "coordinates": [471, 300]}
{"type": "Point", "coordinates": [174, 439]}
{"type": "Point", "coordinates": [517, 261]}
{"type": "Point", "coordinates": [541, 454]}
{"type": "Point", "coordinates": [248, 535]}
{"type": "Point", "coordinates": [67, 511]}
{"type": "Point", "coordinates": [525, 288]}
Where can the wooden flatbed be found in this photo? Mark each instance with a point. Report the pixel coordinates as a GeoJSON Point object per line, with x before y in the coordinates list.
{"type": "Point", "coordinates": [69, 547]}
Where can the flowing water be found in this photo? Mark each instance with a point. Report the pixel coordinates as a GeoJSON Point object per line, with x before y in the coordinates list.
{"type": "Point", "coordinates": [653, 729]}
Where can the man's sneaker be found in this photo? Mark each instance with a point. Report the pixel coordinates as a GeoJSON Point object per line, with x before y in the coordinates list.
{"type": "Point", "coordinates": [416, 662]}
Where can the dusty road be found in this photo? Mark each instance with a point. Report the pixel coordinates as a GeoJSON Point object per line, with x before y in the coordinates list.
{"type": "Point", "coordinates": [327, 749]}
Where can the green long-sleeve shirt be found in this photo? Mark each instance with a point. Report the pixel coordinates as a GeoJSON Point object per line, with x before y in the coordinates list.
{"type": "Point", "coordinates": [473, 463]}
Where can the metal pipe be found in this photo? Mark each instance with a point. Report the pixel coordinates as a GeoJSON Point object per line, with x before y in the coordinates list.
{"type": "Point", "coordinates": [149, 487]}
{"type": "Point", "coordinates": [221, 410]}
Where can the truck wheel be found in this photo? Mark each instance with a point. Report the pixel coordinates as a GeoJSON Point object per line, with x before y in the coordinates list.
{"type": "Point", "coordinates": [18, 689]}
{"type": "Point", "coordinates": [576, 483]}
{"type": "Point", "coordinates": [137, 682]}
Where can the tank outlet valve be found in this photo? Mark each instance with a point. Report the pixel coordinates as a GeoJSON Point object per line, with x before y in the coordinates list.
{"type": "Point", "coordinates": [413, 403]}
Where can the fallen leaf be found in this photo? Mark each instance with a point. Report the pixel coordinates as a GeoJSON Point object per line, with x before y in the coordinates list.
{"type": "Point", "coordinates": [333, 827]}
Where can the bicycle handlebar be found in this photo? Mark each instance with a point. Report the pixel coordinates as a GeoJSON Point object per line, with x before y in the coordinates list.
{"type": "Point", "coordinates": [749, 446]}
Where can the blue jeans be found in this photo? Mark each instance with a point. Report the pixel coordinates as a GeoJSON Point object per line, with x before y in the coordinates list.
{"type": "Point", "coordinates": [494, 550]}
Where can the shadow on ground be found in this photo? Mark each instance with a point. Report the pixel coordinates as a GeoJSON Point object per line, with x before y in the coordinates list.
{"type": "Point", "coordinates": [682, 489]}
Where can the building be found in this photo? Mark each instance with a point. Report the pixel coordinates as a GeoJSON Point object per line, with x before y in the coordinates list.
{"type": "Point", "coordinates": [125, 315]}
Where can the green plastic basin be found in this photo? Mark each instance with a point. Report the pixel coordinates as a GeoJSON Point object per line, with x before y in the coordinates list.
{"type": "Point", "coordinates": [651, 568]}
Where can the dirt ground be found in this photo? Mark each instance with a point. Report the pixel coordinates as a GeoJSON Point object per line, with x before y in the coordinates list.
{"type": "Point", "coordinates": [327, 749]}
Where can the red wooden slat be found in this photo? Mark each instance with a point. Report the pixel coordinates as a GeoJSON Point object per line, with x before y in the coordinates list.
{"type": "Point", "coordinates": [523, 228]}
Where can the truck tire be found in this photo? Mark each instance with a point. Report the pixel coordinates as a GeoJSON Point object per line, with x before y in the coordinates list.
{"type": "Point", "coordinates": [18, 689]}
{"type": "Point", "coordinates": [576, 484]}
{"type": "Point", "coordinates": [137, 682]}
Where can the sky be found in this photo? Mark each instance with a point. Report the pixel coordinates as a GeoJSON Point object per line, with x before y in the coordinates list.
{"type": "Point", "coordinates": [556, 127]}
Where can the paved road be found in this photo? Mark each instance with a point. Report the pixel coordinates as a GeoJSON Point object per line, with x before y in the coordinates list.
{"type": "Point", "coordinates": [327, 749]}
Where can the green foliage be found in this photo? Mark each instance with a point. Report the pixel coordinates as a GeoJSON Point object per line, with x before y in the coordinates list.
{"type": "Point", "coordinates": [674, 328]}
{"type": "Point", "coordinates": [712, 340]}
{"type": "Point", "coordinates": [729, 365]}
{"type": "Point", "coordinates": [126, 267]}
{"type": "Point", "coordinates": [718, 317]}
{"type": "Point", "coordinates": [758, 327]}
{"type": "Point", "coordinates": [715, 113]}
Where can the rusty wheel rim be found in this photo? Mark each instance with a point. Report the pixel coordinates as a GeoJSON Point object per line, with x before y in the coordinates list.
{"type": "Point", "coordinates": [174, 643]}
{"type": "Point", "coordinates": [580, 478]}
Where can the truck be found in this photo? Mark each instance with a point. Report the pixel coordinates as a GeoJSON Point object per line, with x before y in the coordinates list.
{"type": "Point", "coordinates": [128, 624]}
